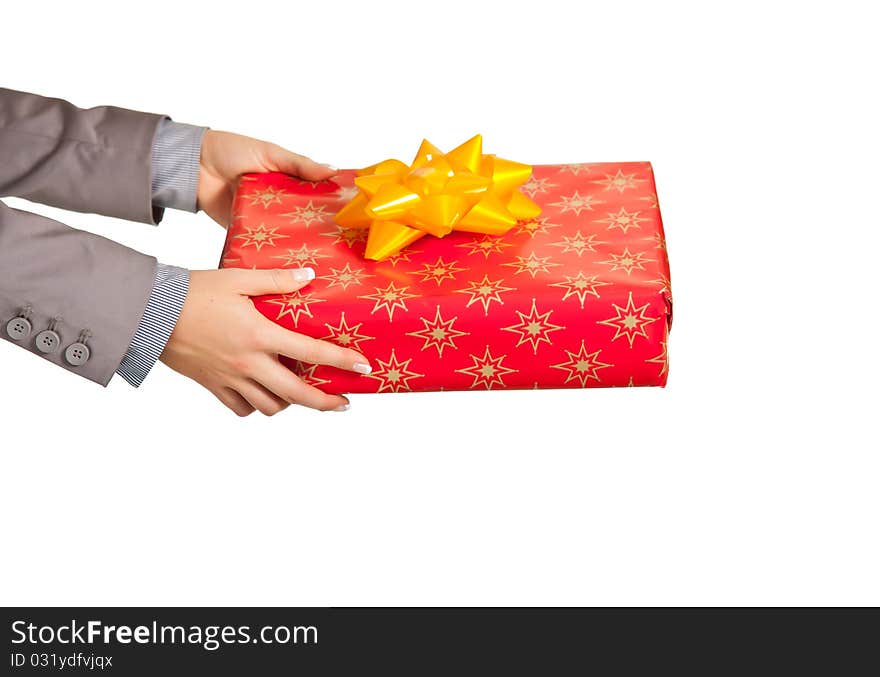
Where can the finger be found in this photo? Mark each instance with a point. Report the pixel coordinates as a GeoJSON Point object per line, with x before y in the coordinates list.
{"type": "Point", "coordinates": [313, 351]}
{"type": "Point", "coordinates": [299, 165]}
{"type": "Point", "coordinates": [275, 281]}
{"type": "Point", "coordinates": [261, 399]}
{"type": "Point", "coordinates": [277, 378]}
{"type": "Point", "coordinates": [234, 401]}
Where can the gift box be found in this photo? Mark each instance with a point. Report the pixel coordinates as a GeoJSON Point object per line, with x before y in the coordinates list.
{"type": "Point", "coordinates": [577, 297]}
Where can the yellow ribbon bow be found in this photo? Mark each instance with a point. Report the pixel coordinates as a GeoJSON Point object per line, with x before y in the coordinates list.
{"type": "Point", "coordinates": [438, 193]}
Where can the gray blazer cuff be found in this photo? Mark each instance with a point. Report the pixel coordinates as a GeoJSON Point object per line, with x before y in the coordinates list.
{"type": "Point", "coordinates": [176, 152]}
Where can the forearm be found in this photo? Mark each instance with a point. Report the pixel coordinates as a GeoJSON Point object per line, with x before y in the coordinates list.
{"type": "Point", "coordinates": [175, 174]}
{"type": "Point", "coordinates": [80, 282]}
{"type": "Point", "coordinates": [96, 160]}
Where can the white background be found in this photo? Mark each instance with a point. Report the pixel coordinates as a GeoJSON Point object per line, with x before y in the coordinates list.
{"type": "Point", "coordinates": [751, 479]}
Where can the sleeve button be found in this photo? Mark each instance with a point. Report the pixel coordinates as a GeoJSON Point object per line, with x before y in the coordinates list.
{"type": "Point", "coordinates": [47, 341]}
{"type": "Point", "coordinates": [77, 354]}
{"type": "Point", "coordinates": [18, 328]}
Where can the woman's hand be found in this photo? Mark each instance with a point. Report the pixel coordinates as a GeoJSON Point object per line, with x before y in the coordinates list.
{"type": "Point", "coordinates": [227, 156]}
{"type": "Point", "coordinates": [224, 343]}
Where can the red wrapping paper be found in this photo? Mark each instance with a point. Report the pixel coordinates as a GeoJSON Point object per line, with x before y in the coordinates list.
{"type": "Point", "coordinates": [578, 297]}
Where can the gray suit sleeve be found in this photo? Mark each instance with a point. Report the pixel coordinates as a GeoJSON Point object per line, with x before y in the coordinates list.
{"type": "Point", "coordinates": [96, 160]}
{"type": "Point", "coordinates": [77, 283]}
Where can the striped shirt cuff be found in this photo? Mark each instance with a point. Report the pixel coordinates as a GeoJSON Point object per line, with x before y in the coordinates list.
{"type": "Point", "coordinates": [170, 287]}
{"type": "Point", "coordinates": [177, 149]}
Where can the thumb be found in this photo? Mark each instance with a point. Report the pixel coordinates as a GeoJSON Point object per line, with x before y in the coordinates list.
{"type": "Point", "coordinates": [276, 281]}
{"type": "Point", "coordinates": [299, 165]}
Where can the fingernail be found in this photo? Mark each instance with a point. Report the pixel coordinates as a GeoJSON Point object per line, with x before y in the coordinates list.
{"type": "Point", "coordinates": [303, 274]}
{"type": "Point", "coordinates": [362, 367]}
{"type": "Point", "coordinates": [343, 407]}
{"type": "Point", "coordinates": [332, 168]}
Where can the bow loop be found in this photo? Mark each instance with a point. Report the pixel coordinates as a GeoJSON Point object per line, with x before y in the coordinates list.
{"type": "Point", "coordinates": [438, 193]}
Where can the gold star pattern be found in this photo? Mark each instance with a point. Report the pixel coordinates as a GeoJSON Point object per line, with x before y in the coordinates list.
{"type": "Point", "coordinates": [485, 291]}
{"type": "Point", "coordinates": [344, 335]}
{"type": "Point", "coordinates": [392, 374]}
{"type": "Point", "coordinates": [576, 203]}
{"type": "Point", "coordinates": [623, 220]}
{"type": "Point", "coordinates": [228, 262]}
{"type": "Point", "coordinates": [627, 261]}
{"type": "Point", "coordinates": [309, 214]}
{"type": "Point", "coordinates": [620, 181]}
{"type": "Point", "coordinates": [582, 365]}
{"type": "Point", "coordinates": [487, 371]}
{"type": "Point", "coordinates": [577, 168]}
{"type": "Point", "coordinates": [347, 193]}
{"type": "Point", "coordinates": [439, 270]}
{"type": "Point", "coordinates": [629, 321]}
{"type": "Point", "coordinates": [580, 285]}
{"type": "Point", "coordinates": [313, 184]}
{"type": "Point", "coordinates": [651, 200]}
{"type": "Point", "coordinates": [345, 276]}
{"type": "Point", "coordinates": [304, 256]}
{"type": "Point", "coordinates": [307, 373]}
{"type": "Point", "coordinates": [400, 257]}
{"type": "Point", "coordinates": [534, 226]}
{"type": "Point", "coordinates": [259, 236]}
{"type": "Point", "coordinates": [438, 333]}
{"type": "Point", "coordinates": [664, 282]}
{"type": "Point", "coordinates": [534, 186]}
{"type": "Point", "coordinates": [534, 328]}
{"type": "Point", "coordinates": [658, 240]}
{"type": "Point", "coordinates": [347, 236]}
{"type": "Point", "coordinates": [267, 196]}
{"type": "Point", "coordinates": [389, 299]}
{"type": "Point", "coordinates": [578, 243]}
{"type": "Point", "coordinates": [295, 304]}
{"type": "Point", "coordinates": [488, 244]}
{"type": "Point", "coordinates": [531, 264]}
{"type": "Point", "coordinates": [662, 358]}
